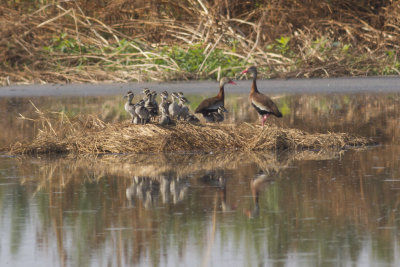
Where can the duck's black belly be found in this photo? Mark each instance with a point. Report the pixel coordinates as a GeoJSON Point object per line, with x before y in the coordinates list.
{"type": "Point", "coordinates": [206, 112]}
{"type": "Point", "coordinates": [261, 111]}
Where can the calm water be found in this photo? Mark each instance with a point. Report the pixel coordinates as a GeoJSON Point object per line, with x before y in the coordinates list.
{"type": "Point", "coordinates": [309, 208]}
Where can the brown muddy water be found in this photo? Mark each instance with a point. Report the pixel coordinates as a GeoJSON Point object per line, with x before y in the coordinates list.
{"type": "Point", "coordinates": [309, 208]}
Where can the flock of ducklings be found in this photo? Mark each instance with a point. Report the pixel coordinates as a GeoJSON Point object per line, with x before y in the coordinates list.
{"type": "Point", "coordinates": [167, 111]}
{"type": "Point", "coordinates": [211, 108]}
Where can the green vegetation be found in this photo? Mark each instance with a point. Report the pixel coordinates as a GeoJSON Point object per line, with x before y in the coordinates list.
{"type": "Point", "coordinates": [192, 60]}
{"type": "Point", "coordinates": [89, 41]}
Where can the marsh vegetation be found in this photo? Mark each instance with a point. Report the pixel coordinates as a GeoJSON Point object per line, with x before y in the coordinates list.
{"type": "Point", "coordinates": [122, 41]}
{"type": "Point", "coordinates": [106, 127]}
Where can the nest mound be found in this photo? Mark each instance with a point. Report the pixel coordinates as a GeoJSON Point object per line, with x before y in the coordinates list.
{"type": "Point", "coordinates": [90, 135]}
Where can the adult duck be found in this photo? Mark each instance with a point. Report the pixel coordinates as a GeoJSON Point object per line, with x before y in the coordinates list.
{"type": "Point", "coordinates": [262, 103]}
{"type": "Point", "coordinates": [211, 105]}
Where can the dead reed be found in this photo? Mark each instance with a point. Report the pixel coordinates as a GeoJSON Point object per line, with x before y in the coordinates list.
{"type": "Point", "coordinates": [89, 135]}
{"type": "Point", "coordinates": [118, 40]}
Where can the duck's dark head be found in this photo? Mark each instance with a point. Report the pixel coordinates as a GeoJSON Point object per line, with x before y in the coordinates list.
{"type": "Point", "coordinates": [251, 69]}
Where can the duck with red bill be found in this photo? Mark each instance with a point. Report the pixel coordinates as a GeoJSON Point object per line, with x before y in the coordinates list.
{"type": "Point", "coordinates": [262, 103]}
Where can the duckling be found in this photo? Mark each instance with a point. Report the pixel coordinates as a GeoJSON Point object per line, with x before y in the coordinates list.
{"type": "Point", "coordinates": [164, 102]}
{"type": "Point", "coordinates": [146, 91]}
{"type": "Point", "coordinates": [174, 108]}
{"type": "Point", "coordinates": [215, 116]}
{"type": "Point", "coordinates": [184, 109]}
{"type": "Point", "coordinates": [164, 94]}
{"type": "Point", "coordinates": [180, 94]}
{"type": "Point", "coordinates": [146, 95]}
{"type": "Point", "coordinates": [129, 106]}
{"type": "Point", "coordinates": [142, 112]}
{"type": "Point", "coordinates": [209, 117]}
{"type": "Point", "coordinates": [164, 119]}
{"type": "Point", "coordinates": [151, 104]}
{"type": "Point", "coordinates": [219, 116]}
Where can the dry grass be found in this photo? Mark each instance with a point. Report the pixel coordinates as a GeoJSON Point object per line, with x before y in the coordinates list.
{"type": "Point", "coordinates": [326, 39]}
{"type": "Point", "coordinates": [90, 135]}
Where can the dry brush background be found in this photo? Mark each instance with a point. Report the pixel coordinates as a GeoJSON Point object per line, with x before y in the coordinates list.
{"type": "Point", "coordinates": [126, 40]}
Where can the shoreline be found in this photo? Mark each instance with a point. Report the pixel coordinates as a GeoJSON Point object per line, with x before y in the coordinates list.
{"type": "Point", "coordinates": [383, 84]}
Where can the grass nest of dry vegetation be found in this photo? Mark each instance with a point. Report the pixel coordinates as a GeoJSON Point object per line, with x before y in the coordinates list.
{"type": "Point", "coordinates": [86, 134]}
{"type": "Point", "coordinates": [135, 40]}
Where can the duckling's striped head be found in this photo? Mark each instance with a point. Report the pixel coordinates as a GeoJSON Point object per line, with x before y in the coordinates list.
{"type": "Point", "coordinates": [146, 91]}
{"type": "Point", "coordinates": [129, 94]}
{"type": "Point", "coordinates": [184, 100]}
{"type": "Point", "coordinates": [174, 95]}
{"type": "Point", "coordinates": [164, 95]}
{"type": "Point", "coordinates": [222, 109]}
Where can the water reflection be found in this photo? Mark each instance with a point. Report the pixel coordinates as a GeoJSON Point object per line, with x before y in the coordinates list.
{"type": "Point", "coordinates": [258, 185]}
{"type": "Point", "coordinates": [308, 208]}
{"type": "Point", "coordinates": [255, 209]}
{"type": "Point", "coordinates": [149, 190]}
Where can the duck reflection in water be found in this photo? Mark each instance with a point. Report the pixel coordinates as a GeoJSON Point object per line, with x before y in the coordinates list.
{"type": "Point", "coordinates": [257, 185]}
{"type": "Point", "coordinates": [217, 179]}
{"type": "Point", "coordinates": [147, 190]}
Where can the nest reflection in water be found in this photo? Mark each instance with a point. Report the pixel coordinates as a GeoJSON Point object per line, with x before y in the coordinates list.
{"type": "Point", "coordinates": [149, 177]}
{"type": "Point", "coordinates": [190, 185]}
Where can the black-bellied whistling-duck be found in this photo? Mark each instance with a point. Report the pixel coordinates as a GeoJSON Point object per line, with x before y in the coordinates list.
{"type": "Point", "coordinates": [262, 103]}
{"type": "Point", "coordinates": [211, 105]}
